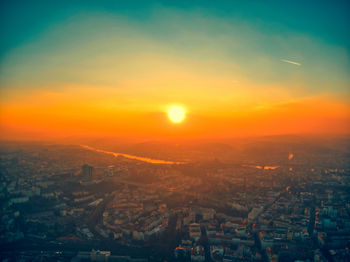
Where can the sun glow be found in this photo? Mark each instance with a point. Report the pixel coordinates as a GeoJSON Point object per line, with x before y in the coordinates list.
{"type": "Point", "coordinates": [176, 114]}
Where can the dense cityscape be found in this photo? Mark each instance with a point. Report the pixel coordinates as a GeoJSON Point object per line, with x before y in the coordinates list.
{"type": "Point", "coordinates": [71, 203]}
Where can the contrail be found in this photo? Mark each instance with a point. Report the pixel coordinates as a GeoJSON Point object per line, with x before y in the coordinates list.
{"type": "Point", "coordinates": [290, 62]}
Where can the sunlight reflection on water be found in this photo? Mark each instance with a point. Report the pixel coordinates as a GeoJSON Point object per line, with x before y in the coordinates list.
{"type": "Point", "coordinates": [144, 159]}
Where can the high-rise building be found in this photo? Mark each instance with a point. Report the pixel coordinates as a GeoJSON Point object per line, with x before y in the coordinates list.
{"type": "Point", "coordinates": [195, 231]}
{"type": "Point", "coordinates": [87, 170]}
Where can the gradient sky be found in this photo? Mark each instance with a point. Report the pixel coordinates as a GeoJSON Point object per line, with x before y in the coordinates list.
{"type": "Point", "coordinates": [113, 68]}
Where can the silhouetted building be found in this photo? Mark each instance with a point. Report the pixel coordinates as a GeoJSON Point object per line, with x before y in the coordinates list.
{"type": "Point", "coordinates": [87, 170]}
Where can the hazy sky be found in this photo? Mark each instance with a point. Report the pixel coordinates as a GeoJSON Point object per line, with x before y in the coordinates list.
{"type": "Point", "coordinates": [114, 67]}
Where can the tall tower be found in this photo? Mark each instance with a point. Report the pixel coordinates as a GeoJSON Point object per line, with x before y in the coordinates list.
{"type": "Point", "coordinates": [87, 171]}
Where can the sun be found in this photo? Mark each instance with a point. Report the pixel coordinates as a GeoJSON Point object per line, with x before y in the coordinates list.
{"type": "Point", "coordinates": [176, 114]}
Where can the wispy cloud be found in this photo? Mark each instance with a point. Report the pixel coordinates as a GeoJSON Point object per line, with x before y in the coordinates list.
{"type": "Point", "coordinates": [290, 62]}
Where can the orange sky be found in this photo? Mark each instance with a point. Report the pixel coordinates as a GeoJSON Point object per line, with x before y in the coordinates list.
{"type": "Point", "coordinates": [53, 115]}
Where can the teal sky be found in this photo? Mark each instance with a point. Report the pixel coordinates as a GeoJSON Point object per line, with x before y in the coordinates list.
{"type": "Point", "coordinates": [313, 33]}
{"type": "Point", "coordinates": [23, 21]}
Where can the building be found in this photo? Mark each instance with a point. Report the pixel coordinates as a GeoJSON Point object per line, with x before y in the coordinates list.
{"type": "Point", "coordinates": [18, 200]}
{"type": "Point", "coordinates": [100, 255]}
{"type": "Point", "coordinates": [254, 213]}
{"type": "Point", "coordinates": [197, 253]}
{"type": "Point", "coordinates": [180, 253]}
{"type": "Point", "coordinates": [216, 253]}
{"type": "Point", "coordinates": [195, 231]}
{"type": "Point", "coordinates": [87, 171]}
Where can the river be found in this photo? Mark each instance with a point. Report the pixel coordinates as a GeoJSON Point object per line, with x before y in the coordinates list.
{"type": "Point", "coordinates": [144, 159]}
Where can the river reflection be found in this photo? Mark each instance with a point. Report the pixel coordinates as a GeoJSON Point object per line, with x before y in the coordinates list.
{"type": "Point", "coordinates": [144, 159]}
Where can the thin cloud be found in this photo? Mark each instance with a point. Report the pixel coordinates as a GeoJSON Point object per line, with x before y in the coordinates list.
{"type": "Point", "coordinates": [291, 62]}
